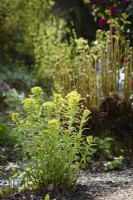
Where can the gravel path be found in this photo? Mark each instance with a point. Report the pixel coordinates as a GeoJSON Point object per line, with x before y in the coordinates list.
{"type": "Point", "coordinates": [115, 185]}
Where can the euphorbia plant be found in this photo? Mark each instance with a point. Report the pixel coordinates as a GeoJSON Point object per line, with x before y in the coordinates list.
{"type": "Point", "coordinates": [50, 136]}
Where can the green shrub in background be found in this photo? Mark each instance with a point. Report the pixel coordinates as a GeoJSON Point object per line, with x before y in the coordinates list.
{"type": "Point", "coordinates": [50, 135]}
{"type": "Point", "coordinates": [35, 38]}
{"type": "Point", "coordinates": [19, 22]}
{"type": "Point", "coordinates": [4, 134]}
{"type": "Point", "coordinates": [47, 48]}
{"type": "Point", "coordinates": [6, 140]}
{"type": "Point", "coordinates": [117, 163]}
{"type": "Point", "coordinates": [51, 46]}
{"type": "Point", "coordinates": [103, 146]}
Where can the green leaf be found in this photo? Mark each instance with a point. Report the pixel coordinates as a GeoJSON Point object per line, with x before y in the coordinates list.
{"type": "Point", "coordinates": [89, 139]}
{"type": "Point", "coordinates": [47, 197]}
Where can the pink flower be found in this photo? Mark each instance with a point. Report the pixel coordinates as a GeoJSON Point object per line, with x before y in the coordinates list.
{"type": "Point", "coordinates": [102, 22]}
{"type": "Point", "coordinates": [112, 9]}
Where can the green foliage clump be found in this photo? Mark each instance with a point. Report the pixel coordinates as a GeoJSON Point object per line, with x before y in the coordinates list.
{"type": "Point", "coordinates": [5, 192]}
{"type": "Point", "coordinates": [35, 37]}
{"type": "Point", "coordinates": [103, 146]}
{"type": "Point", "coordinates": [47, 48]}
{"type": "Point", "coordinates": [53, 50]}
{"type": "Point", "coordinates": [117, 163]}
{"type": "Point", "coordinates": [47, 197]}
{"type": "Point", "coordinates": [4, 133]}
{"type": "Point", "coordinates": [97, 148]}
{"type": "Point", "coordinates": [50, 135]}
{"type": "Point", "coordinates": [6, 140]}
{"type": "Point", "coordinates": [19, 21]}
